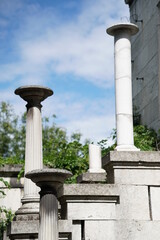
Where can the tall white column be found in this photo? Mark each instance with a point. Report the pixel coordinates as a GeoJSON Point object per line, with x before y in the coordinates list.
{"type": "Point", "coordinates": [123, 84]}
{"type": "Point", "coordinates": [95, 160]}
{"type": "Point", "coordinates": [34, 95]}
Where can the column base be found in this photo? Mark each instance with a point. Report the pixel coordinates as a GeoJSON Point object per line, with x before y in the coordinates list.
{"type": "Point", "coordinates": [29, 206]}
{"type": "Point", "coordinates": [96, 170]}
{"type": "Point", "coordinates": [126, 148]}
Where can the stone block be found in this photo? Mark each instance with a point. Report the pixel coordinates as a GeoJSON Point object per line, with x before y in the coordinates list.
{"type": "Point", "coordinates": [12, 199]}
{"type": "Point", "coordinates": [122, 230]}
{"type": "Point", "coordinates": [137, 168]}
{"type": "Point", "coordinates": [91, 209]}
{"type": "Point", "coordinates": [102, 230]}
{"type": "Point", "coordinates": [65, 229]}
{"type": "Point", "coordinates": [133, 203]}
{"type": "Point", "coordinates": [92, 177]}
{"type": "Point", "coordinates": [24, 229]}
{"type": "Point", "coordinates": [77, 230]}
{"type": "Point", "coordinates": [155, 202]}
{"type": "Point", "coordinates": [137, 230]}
{"type": "Point", "coordinates": [88, 201]}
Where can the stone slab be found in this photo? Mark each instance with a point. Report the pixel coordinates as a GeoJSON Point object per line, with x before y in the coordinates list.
{"type": "Point", "coordinates": [92, 177]}
{"type": "Point", "coordinates": [90, 210]}
{"type": "Point", "coordinates": [10, 170]}
{"type": "Point", "coordinates": [80, 190]}
{"type": "Point", "coordinates": [132, 157]}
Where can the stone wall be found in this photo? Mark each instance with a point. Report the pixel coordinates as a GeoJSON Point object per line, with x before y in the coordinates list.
{"type": "Point", "coordinates": [12, 199]}
{"type": "Point", "coordinates": [125, 207]}
{"type": "Point", "coordinates": [145, 61]}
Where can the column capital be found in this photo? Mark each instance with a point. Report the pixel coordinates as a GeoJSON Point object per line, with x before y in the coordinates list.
{"type": "Point", "coordinates": [50, 179]}
{"type": "Point", "coordinates": [122, 27]}
{"type": "Point", "coordinates": [33, 95]}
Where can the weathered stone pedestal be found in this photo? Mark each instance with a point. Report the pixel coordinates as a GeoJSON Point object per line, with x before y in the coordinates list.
{"type": "Point", "coordinates": [49, 180]}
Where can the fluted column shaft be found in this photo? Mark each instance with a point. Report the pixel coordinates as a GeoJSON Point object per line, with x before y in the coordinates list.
{"type": "Point", "coordinates": [33, 151]}
{"type": "Point", "coordinates": [48, 226]}
{"type": "Point", "coordinates": [33, 95]}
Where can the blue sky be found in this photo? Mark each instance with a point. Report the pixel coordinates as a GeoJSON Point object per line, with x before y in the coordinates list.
{"type": "Point", "coordinates": [62, 44]}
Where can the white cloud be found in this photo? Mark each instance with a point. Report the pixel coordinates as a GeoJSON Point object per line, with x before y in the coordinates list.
{"type": "Point", "coordinates": [79, 47]}
{"type": "Point", "coordinates": [44, 44]}
{"type": "Point", "coordinates": [95, 128]}
{"type": "Point", "coordinates": [94, 119]}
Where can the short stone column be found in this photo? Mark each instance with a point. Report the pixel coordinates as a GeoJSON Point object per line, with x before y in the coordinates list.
{"type": "Point", "coordinates": [95, 173]}
{"type": "Point", "coordinates": [95, 159]}
{"type": "Point", "coordinates": [49, 180]}
{"type": "Point", "coordinates": [34, 95]}
{"type": "Point", "coordinates": [123, 84]}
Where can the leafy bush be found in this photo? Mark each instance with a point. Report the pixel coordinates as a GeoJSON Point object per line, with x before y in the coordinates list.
{"type": "Point", "coordinates": [145, 139]}
{"type": "Point", "coordinates": [6, 215]}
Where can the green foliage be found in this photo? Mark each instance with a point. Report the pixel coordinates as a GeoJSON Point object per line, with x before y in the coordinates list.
{"type": "Point", "coordinates": [12, 134]}
{"type": "Point", "coordinates": [104, 143]}
{"type": "Point", "coordinates": [59, 152]}
{"type": "Point", "coordinates": [145, 139]}
{"type": "Point", "coordinates": [6, 215]}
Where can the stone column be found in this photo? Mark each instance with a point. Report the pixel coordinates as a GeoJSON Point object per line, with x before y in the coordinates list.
{"type": "Point", "coordinates": [123, 84]}
{"type": "Point", "coordinates": [48, 228]}
{"type": "Point", "coordinates": [49, 180]}
{"type": "Point", "coordinates": [34, 95]}
{"type": "Point", "coordinates": [95, 160]}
